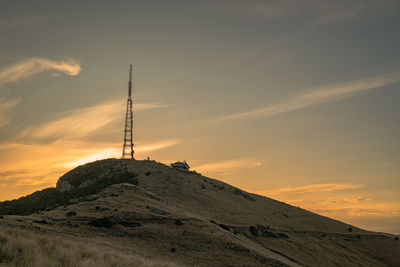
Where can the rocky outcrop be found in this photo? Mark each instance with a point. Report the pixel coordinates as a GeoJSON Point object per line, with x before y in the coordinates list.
{"type": "Point", "coordinates": [63, 186]}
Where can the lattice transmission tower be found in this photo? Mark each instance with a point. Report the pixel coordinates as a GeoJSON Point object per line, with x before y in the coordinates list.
{"type": "Point", "coordinates": [127, 151]}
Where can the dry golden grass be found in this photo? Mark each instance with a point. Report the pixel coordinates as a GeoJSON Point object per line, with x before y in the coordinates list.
{"type": "Point", "coordinates": [20, 247]}
{"type": "Point", "coordinates": [220, 226]}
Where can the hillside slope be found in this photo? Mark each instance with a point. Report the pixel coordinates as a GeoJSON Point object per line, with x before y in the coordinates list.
{"type": "Point", "coordinates": [147, 208]}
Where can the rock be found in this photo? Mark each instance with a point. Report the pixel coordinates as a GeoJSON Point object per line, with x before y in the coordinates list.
{"type": "Point", "coordinates": [63, 186]}
{"type": "Point", "coordinates": [158, 211]}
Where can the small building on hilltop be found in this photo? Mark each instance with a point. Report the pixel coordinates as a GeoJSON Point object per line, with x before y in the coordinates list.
{"type": "Point", "coordinates": [182, 165]}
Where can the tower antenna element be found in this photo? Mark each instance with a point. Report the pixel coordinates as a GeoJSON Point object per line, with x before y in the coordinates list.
{"type": "Point", "coordinates": [127, 151]}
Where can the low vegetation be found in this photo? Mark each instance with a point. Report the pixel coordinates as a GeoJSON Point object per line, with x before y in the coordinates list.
{"type": "Point", "coordinates": [25, 248]}
{"type": "Point", "coordinates": [178, 222]}
{"type": "Point", "coordinates": [71, 213]}
{"type": "Point", "coordinates": [50, 198]}
{"type": "Point", "coordinates": [102, 222]}
{"type": "Point", "coordinates": [253, 230]}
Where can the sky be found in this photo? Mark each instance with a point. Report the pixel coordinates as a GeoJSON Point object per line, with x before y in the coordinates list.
{"type": "Point", "coordinates": [294, 100]}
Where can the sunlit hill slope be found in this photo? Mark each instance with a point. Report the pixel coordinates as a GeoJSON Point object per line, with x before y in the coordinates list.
{"type": "Point", "coordinates": [151, 214]}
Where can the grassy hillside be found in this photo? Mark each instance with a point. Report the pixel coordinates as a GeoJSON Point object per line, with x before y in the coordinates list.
{"type": "Point", "coordinates": [26, 248]}
{"type": "Point", "coordinates": [189, 219]}
{"type": "Point", "coordinates": [50, 198]}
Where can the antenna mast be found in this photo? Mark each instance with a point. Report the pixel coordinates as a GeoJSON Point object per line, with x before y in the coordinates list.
{"type": "Point", "coordinates": [128, 137]}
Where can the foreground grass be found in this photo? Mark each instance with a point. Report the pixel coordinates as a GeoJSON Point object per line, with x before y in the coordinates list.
{"type": "Point", "coordinates": [20, 247]}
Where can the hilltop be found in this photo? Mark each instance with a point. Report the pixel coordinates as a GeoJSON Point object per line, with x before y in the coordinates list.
{"type": "Point", "coordinates": [149, 210]}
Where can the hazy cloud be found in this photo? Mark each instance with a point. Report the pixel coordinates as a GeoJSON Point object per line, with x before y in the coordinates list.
{"type": "Point", "coordinates": [83, 121]}
{"type": "Point", "coordinates": [6, 175]}
{"type": "Point", "coordinates": [5, 106]}
{"type": "Point", "coordinates": [227, 165]}
{"type": "Point", "coordinates": [336, 200]}
{"type": "Point", "coordinates": [318, 96]}
{"type": "Point", "coordinates": [94, 155]}
{"type": "Point", "coordinates": [352, 210]}
{"type": "Point", "coordinates": [26, 69]}
{"type": "Point", "coordinates": [314, 188]}
{"type": "Point", "coordinates": [316, 11]}
{"type": "Point", "coordinates": [30, 67]}
{"type": "Point", "coordinates": [147, 147]}
{"type": "Point", "coordinates": [114, 152]}
{"type": "Point", "coordinates": [355, 199]}
{"type": "Point", "coordinates": [33, 182]}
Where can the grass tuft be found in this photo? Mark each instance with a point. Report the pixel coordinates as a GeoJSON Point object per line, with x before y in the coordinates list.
{"type": "Point", "coordinates": [24, 248]}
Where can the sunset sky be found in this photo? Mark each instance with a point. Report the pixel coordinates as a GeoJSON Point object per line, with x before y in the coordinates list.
{"type": "Point", "coordinates": [295, 100]}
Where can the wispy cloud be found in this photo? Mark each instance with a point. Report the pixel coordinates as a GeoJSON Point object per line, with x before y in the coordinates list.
{"type": "Point", "coordinates": [79, 122]}
{"type": "Point", "coordinates": [316, 11]}
{"type": "Point", "coordinates": [313, 188]}
{"type": "Point", "coordinates": [227, 165]}
{"type": "Point", "coordinates": [370, 210]}
{"type": "Point", "coordinates": [319, 96]}
{"type": "Point", "coordinates": [97, 155]}
{"type": "Point", "coordinates": [148, 147]}
{"type": "Point", "coordinates": [28, 68]}
{"type": "Point", "coordinates": [5, 106]}
{"type": "Point", "coordinates": [342, 201]}
{"type": "Point", "coordinates": [355, 199]}
{"type": "Point", "coordinates": [25, 69]}
{"type": "Point", "coordinates": [353, 206]}
{"type": "Point", "coordinates": [83, 121]}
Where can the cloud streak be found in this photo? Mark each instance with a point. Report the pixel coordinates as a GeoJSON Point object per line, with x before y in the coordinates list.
{"type": "Point", "coordinates": [84, 121]}
{"type": "Point", "coordinates": [227, 165]}
{"type": "Point", "coordinates": [355, 199]}
{"type": "Point", "coordinates": [318, 96]}
{"type": "Point", "coordinates": [314, 188]}
{"type": "Point", "coordinates": [114, 152]}
{"type": "Point", "coordinates": [315, 11]}
{"type": "Point", "coordinates": [28, 68]}
{"type": "Point", "coordinates": [141, 148]}
{"type": "Point", "coordinates": [5, 106]}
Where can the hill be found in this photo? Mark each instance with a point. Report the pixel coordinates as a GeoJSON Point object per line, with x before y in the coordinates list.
{"type": "Point", "coordinates": [144, 208]}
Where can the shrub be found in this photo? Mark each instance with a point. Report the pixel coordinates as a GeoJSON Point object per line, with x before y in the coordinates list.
{"type": "Point", "coordinates": [350, 229]}
{"type": "Point", "coordinates": [268, 234]}
{"type": "Point", "coordinates": [243, 194]}
{"type": "Point", "coordinates": [41, 221]}
{"type": "Point", "coordinates": [102, 222]}
{"type": "Point", "coordinates": [253, 230]}
{"type": "Point", "coordinates": [178, 222]}
{"type": "Point", "coordinates": [71, 213]}
{"type": "Point", "coordinates": [223, 226]}
{"type": "Point", "coordinates": [173, 249]}
{"type": "Point", "coordinates": [282, 235]}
